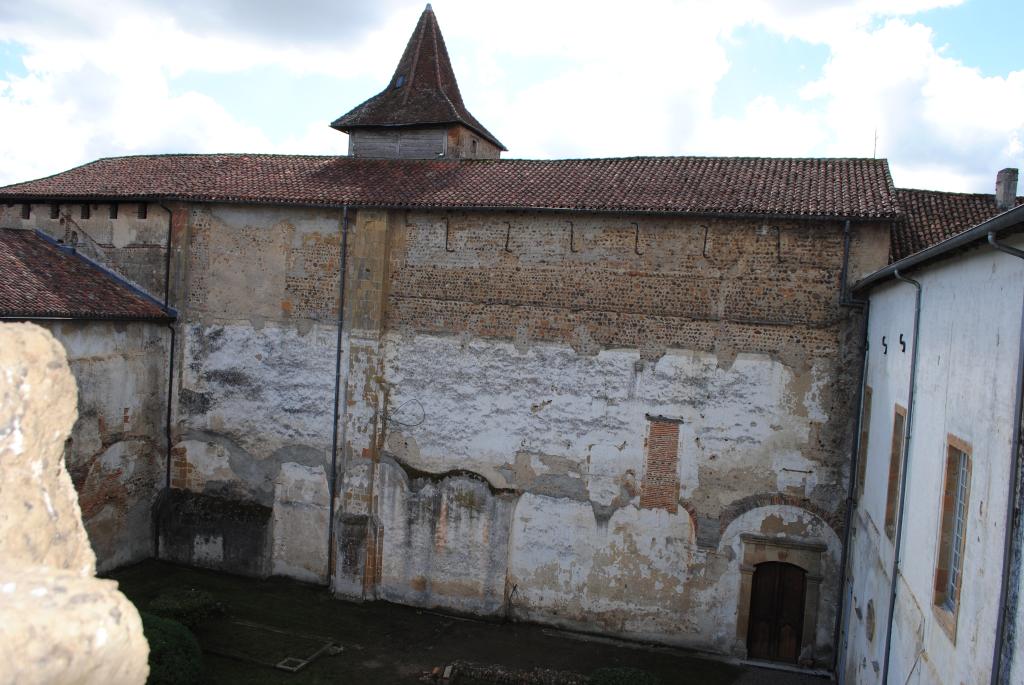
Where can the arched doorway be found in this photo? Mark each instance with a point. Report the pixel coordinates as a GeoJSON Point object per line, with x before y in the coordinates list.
{"type": "Point", "coordinates": [776, 623]}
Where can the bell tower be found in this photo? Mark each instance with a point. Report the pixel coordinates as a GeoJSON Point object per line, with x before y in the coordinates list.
{"type": "Point", "coordinates": [420, 115]}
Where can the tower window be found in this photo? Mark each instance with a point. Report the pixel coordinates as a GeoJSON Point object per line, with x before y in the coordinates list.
{"type": "Point", "coordinates": [86, 212]}
{"type": "Point", "coordinates": [55, 211]}
{"type": "Point", "coordinates": [472, 146]}
{"type": "Point", "coordinates": [143, 210]}
{"type": "Point", "coordinates": [113, 210]}
{"type": "Point", "coordinates": [26, 210]}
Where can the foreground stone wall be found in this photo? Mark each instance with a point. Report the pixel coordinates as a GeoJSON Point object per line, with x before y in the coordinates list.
{"type": "Point", "coordinates": [60, 624]}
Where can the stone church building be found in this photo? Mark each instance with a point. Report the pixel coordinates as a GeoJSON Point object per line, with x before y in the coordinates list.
{"type": "Point", "coordinates": [613, 395]}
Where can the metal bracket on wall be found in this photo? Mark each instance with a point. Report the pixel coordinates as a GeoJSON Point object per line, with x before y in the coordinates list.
{"type": "Point", "coordinates": [508, 235]}
{"type": "Point", "coordinates": [636, 239]}
{"type": "Point", "coordinates": [572, 237]}
{"type": "Point", "coordinates": [885, 346]}
{"type": "Point", "coordinates": [903, 344]}
{"type": "Point", "coordinates": [447, 248]}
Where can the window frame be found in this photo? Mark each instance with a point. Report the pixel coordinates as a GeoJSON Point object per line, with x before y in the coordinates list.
{"type": "Point", "coordinates": [862, 446]}
{"type": "Point", "coordinates": [954, 509]}
{"type": "Point", "coordinates": [896, 457]}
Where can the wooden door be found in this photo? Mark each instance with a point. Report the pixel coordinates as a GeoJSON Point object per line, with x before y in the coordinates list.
{"type": "Point", "coordinates": [776, 612]}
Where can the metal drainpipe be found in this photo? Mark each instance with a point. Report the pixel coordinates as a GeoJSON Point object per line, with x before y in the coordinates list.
{"type": "Point", "coordinates": [844, 570]}
{"type": "Point", "coordinates": [332, 485]}
{"type": "Point", "coordinates": [908, 431]}
{"type": "Point", "coordinates": [1004, 627]}
{"type": "Point", "coordinates": [170, 377]}
{"type": "Point", "coordinates": [847, 301]}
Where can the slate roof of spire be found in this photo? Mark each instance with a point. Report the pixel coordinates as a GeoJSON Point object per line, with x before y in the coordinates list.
{"type": "Point", "coordinates": [763, 186]}
{"type": "Point", "coordinates": [423, 90]}
{"type": "Point", "coordinates": [39, 279]}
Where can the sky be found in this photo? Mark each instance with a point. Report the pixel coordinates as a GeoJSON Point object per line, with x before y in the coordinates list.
{"type": "Point", "coordinates": [934, 86]}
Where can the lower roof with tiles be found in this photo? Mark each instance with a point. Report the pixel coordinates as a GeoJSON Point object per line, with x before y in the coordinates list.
{"type": "Point", "coordinates": [40, 279]}
{"type": "Point", "coordinates": [931, 216]}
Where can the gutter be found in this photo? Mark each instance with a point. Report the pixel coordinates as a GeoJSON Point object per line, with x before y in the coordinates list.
{"type": "Point", "coordinates": [908, 431]}
{"type": "Point", "coordinates": [333, 483]}
{"type": "Point", "coordinates": [1009, 602]}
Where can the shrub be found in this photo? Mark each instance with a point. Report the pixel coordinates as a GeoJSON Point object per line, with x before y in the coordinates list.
{"type": "Point", "coordinates": [174, 654]}
{"type": "Point", "coordinates": [187, 606]}
{"type": "Point", "coordinates": [622, 676]}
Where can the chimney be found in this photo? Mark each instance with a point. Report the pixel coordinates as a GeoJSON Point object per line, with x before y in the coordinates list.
{"type": "Point", "coordinates": [1006, 189]}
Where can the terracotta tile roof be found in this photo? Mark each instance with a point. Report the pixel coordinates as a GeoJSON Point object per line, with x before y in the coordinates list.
{"type": "Point", "coordinates": [423, 89]}
{"type": "Point", "coordinates": [855, 188]}
{"type": "Point", "coordinates": [39, 279]}
{"type": "Point", "coordinates": [931, 216]}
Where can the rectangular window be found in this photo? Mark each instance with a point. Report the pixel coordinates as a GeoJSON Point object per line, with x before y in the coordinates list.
{"type": "Point", "coordinates": [899, 421]}
{"type": "Point", "coordinates": [862, 448]}
{"type": "Point", "coordinates": [661, 481]}
{"type": "Point", "coordinates": [86, 211]}
{"type": "Point", "coordinates": [26, 211]}
{"type": "Point", "coordinates": [113, 210]}
{"type": "Point", "coordinates": [949, 566]}
{"type": "Point", "coordinates": [54, 211]}
{"type": "Point", "coordinates": [143, 210]}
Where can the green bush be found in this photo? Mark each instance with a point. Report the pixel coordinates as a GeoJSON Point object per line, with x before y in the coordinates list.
{"type": "Point", "coordinates": [187, 606]}
{"type": "Point", "coordinates": [174, 654]}
{"type": "Point", "coordinates": [622, 676]}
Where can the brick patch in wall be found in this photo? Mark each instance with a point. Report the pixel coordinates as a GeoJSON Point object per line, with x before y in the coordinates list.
{"type": "Point", "coordinates": [661, 483]}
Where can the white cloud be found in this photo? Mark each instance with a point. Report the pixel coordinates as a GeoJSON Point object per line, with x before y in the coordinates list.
{"type": "Point", "coordinates": [549, 79]}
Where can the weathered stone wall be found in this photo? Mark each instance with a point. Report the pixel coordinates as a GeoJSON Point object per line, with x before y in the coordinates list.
{"type": "Point", "coordinates": [257, 290]}
{"type": "Point", "coordinates": [132, 245]}
{"type": "Point", "coordinates": [60, 624]}
{"type": "Point", "coordinates": [533, 355]}
{"type": "Point", "coordinates": [500, 377]}
{"type": "Point", "coordinates": [117, 449]}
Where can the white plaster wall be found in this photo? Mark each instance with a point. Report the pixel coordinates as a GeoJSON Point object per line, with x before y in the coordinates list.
{"type": "Point", "coordinates": [626, 575]}
{"type": "Point", "coordinates": [117, 449]}
{"type": "Point", "coordinates": [299, 523]}
{"type": "Point", "coordinates": [267, 390]}
{"type": "Point", "coordinates": [445, 542]}
{"type": "Point", "coordinates": [970, 323]}
{"type": "Point", "coordinates": [516, 416]}
{"type": "Point", "coordinates": [568, 431]}
{"type": "Point", "coordinates": [255, 417]}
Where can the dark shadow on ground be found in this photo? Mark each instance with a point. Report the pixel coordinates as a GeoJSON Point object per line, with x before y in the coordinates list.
{"type": "Point", "coordinates": [269, 620]}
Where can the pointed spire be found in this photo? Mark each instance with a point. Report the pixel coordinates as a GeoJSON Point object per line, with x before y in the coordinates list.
{"type": "Point", "coordinates": [422, 91]}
